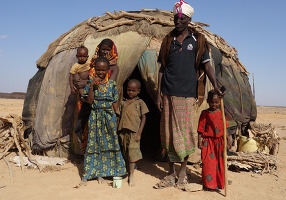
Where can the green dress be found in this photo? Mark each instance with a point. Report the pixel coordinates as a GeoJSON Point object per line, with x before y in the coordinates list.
{"type": "Point", "coordinates": [103, 156]}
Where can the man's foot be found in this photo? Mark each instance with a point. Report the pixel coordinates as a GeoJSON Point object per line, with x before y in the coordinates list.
{"type": "Point", "coordinates": [167, 181]}
{"type": "Point", "coordinates": [100, 180]}
{"type": "Point", "coordinates": [182, 181]}
{"type": "Point", "coordinates": [131, 181]}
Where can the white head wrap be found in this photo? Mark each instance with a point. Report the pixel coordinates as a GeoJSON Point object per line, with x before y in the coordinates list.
{"type": "Point", "coordinates": [183, 8]}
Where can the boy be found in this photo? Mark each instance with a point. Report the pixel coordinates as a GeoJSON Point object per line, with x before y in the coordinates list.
{"type": "Point", "coordinates": [79, 70]}
{"type": "Point", "coordinates": [132, 114]}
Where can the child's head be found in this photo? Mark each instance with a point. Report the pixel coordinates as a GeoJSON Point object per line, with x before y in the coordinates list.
{"type": "Point", "coordinates": [213, 100]}
{"type": "Point", "coordinates": [105, 47]}
{"type": "Point", "coordinates": [82, 54]}
{"type": "Point", "coordinates": [133, 88]}
{"type": "Point", "coordinates": [101, 66]}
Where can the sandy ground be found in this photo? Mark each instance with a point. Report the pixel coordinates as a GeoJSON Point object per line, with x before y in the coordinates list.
{"type": "Point", "coordinates": [60, 182]}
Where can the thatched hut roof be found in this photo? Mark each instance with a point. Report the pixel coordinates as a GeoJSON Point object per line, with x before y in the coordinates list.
{"type": "Point", "coordinates": [148, 22]}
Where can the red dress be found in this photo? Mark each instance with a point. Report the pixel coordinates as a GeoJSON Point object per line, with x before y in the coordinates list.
{"type": "Point", "coordinates": [211, 128]}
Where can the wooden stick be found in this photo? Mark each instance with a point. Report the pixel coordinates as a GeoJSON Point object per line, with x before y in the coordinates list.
{"type": "Point", "coordinates": [28, 153]}
{"type": "Point", "coordinates": [127, 22]}
{"type": "Point", "coordinates": [127, 14]}
{"type": "Point", "coordinates": [225, 147]}
{"type": "Point", "coordinates": [10, 171]}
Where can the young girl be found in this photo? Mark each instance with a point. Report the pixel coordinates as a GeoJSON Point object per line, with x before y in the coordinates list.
{"type": "Point", "coordinates": [210, 141]}
{"type": "Point", "coordinates": [107, 49]}
{"type": "Point", "coordinates": [102, 156]}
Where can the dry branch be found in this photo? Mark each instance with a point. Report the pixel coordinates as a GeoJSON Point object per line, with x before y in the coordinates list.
{"type": "Point", "coordinates": [162, 22]}
{"type": "Point", "coordinates": [92, 22]}
{"type": "Point", "coordinates": [256, 160]}
{"type": "Point", "coordinates": [14, 137]}
{"type": "Point", "coordinates": [10, 171]}
{"type": "Point", "coordinates": [122, 14]}
{"type": "Point", "coordinates": [16, 141]}
{"type": "Point", "coordinates": [127, 22]}
{"type": "Point", "coordinates": [265, 135]}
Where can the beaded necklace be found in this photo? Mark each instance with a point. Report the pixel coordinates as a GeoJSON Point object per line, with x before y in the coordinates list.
{"type": "Point", "coordinates": [103, 85]}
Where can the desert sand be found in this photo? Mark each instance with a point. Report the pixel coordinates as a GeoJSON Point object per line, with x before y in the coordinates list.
{"type": "Point", "coordinates": [60, 182]}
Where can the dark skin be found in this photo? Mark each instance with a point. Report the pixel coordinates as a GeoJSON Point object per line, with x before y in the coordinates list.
{"type": "Point", "coordinates": [104, 50]}
{"type": "Point", "coordinates": [133, 89]}
{"type": "Point", "coordinates": [181, 26]}
{"type": "Point", "coordinates": [214, 104]}
{"type": "Point", "coordinates": [101, 71]}
{"type": "Point", "coordinates": [82, 56]}
{"type": "Point", "coordinates": [181, 32]}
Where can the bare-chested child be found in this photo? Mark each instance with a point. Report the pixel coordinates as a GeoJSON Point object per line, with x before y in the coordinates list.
{"type": "Point", "coordinates": [79, 70]}
{"type": "Point", "coordinates": [132, 113]}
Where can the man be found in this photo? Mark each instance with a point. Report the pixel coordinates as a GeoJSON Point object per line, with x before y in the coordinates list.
{"type": "Point", "coordinates": [184, 62]}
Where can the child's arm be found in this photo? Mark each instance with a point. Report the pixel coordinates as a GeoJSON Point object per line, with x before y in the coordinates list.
{"type": "Point", "coordinates": [115, 106]}
{"type": "Point", "coordinates": [200, 140]}
{"type": "Point", "coordinates": [90, 97]}
{"type": "Point", "coordinates": [139, 132]}
{"type": "Point", "coordinates": [71, 84]}
{"type": "Point", "coordinates": [115, 71]}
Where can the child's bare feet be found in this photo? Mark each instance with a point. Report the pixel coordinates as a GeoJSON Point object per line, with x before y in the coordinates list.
{"type": "Point", "coordinates": [131, 181]}
{"type": "Point", "coordinates": [83, 182]}
{"type": "Point", "coordinates": [100, 180]}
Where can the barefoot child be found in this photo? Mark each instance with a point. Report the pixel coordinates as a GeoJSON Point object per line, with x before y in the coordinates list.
{"type": "Point", "coordinates": [102, 157]}
{"type": "Point", "coordinates": [132, 114]}
{"type": "Point", "coordinates": [210, 141]}
{"type": "Point", "coordinates": [79, 70]}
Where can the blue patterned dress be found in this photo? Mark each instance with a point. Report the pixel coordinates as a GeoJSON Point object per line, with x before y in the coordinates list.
{"type": "Point", "coordinates": [103, 156]}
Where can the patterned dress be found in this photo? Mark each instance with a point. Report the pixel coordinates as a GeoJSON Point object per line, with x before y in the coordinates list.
{"type": "Point", "coordinates": [103, 156]}
{"type": "Point", "coordinates": [211, 128]}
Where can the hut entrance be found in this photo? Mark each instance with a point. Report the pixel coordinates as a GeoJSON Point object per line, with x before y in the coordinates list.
{"type": "Point", "coordinates": [150, 140]}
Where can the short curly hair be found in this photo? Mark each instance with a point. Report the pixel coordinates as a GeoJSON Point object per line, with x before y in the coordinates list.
{"type": "Point", "coordinates": [101, 59]}
{"type": "Point", "coordinates": [212, 93]}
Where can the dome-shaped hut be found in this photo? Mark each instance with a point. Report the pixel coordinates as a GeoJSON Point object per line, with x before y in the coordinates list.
{"type": "Point", "coordinates": [49, 109]}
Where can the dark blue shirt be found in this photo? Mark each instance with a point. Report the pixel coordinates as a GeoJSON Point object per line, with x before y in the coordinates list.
{"type": "Point", "coordinates": [179, 78]}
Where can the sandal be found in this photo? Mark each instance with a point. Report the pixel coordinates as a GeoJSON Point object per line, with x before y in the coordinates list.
{"type": "Point", "coordinates": [182, 182]}
{"type": "Point", "coordinates": [167, 181]}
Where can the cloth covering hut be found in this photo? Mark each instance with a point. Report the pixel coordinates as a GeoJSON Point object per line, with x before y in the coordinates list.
{"type": "Point", "coordinates": [49, 109]}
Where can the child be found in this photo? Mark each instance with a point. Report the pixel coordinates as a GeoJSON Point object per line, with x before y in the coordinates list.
{"type": "Point", "coordinates": [102, 156]}
{"type": "Point", "coordinates": [132, 120]}
{"type": "Point", "coordinates": [79, 70]}
{"type": "Point", "coordinates": [107, 49]}
{"type": "Point", "coordinates": [210, 141]}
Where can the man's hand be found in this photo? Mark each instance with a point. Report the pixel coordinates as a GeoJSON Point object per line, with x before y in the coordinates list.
{"type": "Point", "coordinates": [159, 103]}
{"type": "Point", "coordinates": [220, 93]}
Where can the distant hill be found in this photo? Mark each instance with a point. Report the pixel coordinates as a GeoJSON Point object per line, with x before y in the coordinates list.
{"type": "Point", "coordinates": [13, 95]}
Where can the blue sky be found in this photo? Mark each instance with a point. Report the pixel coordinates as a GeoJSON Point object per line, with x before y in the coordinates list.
{"type": "Point", "coordinates": [256, 28]}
